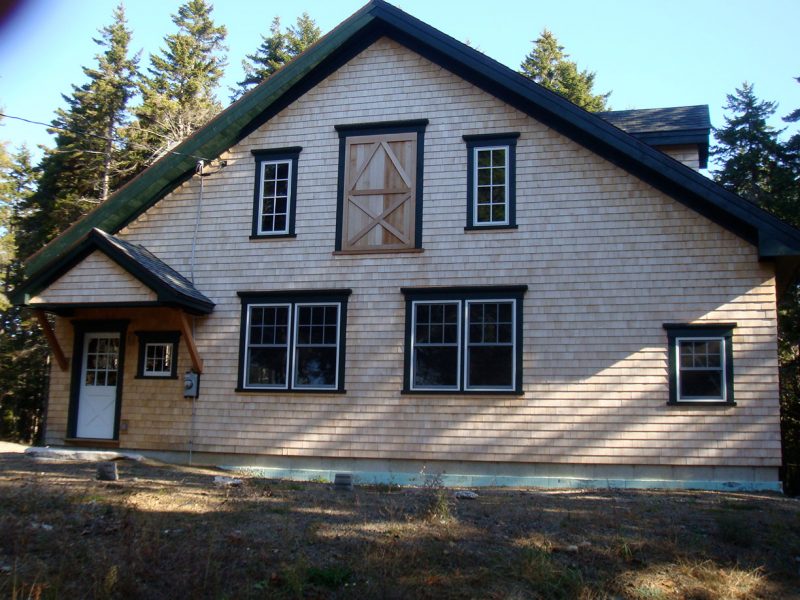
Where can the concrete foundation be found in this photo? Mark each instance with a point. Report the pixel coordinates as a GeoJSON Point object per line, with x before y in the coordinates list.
{"type": "Point", "coordinates": [477, 474]}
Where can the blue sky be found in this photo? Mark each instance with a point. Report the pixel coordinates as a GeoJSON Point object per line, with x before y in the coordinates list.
{"type": "Point", "coordinates": [648, 53]}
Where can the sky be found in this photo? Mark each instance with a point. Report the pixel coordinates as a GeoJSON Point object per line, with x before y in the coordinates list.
{"type": "Point", "coordinates": [648, 53]}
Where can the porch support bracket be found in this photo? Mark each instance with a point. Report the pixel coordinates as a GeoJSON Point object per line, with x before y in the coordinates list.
{"type": "Point", "coordinates": [47, 329]}
{"type": "Point", "coordinates": [186, 330]}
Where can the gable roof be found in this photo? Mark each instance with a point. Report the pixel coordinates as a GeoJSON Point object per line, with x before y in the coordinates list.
{"type": "Point", "coordinates": [674, 125]}
{"type": "Point", "coordinates": [376, 19]}
{"type": "Point", "coordinates": [171, 287]}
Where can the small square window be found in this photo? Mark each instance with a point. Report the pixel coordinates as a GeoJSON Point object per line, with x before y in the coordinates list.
{"type": "Point", "coordinates": [700, 363]}
{"type": "Point", "coordinates": [158, 354]}
{"type": "Point", "coordinates": [275, 192]}
{"type": "Point", "coordinates": [491, 185]}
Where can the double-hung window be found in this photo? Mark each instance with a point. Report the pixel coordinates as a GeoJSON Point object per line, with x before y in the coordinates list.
{"type": "Point", "coordinates": [275, 192]}
{"type": "Point", "coordinates": [464, 339]}
{"type": "Point", "coordinates": [158, 354]}
{"type": "Point", "coordinates": [491, 181]}
{"type": "Point", "coordinates": [293, 341]}
{"type": "Point", "coordinates": [700, 363]}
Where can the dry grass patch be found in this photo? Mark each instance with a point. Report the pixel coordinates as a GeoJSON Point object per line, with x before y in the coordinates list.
{"type": "Point", "coordinates": [166, 532]}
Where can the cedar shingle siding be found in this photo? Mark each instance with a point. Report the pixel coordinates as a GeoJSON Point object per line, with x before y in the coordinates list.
{"type": "Point", "coordinates": [607, 260]}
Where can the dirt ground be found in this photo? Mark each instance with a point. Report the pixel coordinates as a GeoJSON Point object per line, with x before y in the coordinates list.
{"type": "Point", "coordinates": [169, 532]}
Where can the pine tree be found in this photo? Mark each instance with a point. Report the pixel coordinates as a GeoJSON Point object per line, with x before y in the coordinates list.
{"type": "Point", "coordinates": [87, 161]}
{"type": "Point", "coordinates": [751, 153]}
{"type": "Point", "coordinates": [23, 352]}
{"type": "Point", "coordinates": [276, 50]}
{"type": "Point", "coordinates": [178, 94]}
{"type": "Point", "coordinates": [547, 64]}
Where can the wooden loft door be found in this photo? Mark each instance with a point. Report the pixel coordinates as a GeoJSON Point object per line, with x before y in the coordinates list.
{"type": "Point", "coordinates": [380, 193]}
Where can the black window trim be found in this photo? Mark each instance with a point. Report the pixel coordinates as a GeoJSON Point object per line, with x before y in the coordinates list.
{"type": "Point", "coordinates": [292, 155]}
{"type": "Point", "coordinates": [157, 337]}
{"type": "Point", "coordinates": [294, 298]}
{"type": "Point", "coordinates": [381, 128]}
{"type": "Point", "coordinates": [682, 331]}
{"type": "Point", "coordinates": [491, 140]}
{"type": "Point", "coordinates": [462, 294]}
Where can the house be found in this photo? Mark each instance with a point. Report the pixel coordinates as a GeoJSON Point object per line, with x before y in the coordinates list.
{"type": "Point", "coordinates": [398, 255]}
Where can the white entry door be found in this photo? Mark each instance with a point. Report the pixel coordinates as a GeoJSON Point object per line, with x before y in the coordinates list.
{"type": "Point", "coordinates": [97, 403]}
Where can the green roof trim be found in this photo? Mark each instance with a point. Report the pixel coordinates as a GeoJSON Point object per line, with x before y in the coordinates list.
{"type": "Point", "coordinates": [774, 238]}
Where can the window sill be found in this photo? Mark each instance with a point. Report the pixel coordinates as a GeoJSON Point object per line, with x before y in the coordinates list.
{"type": "Point", "coordinates": [273, 236]}
{"type": "Point", "coordinates": [274, 391]}
{"type": "Point", "coordinates": [369, 252]}
{"type": "Point", "coordinates": [490, 227]}
{"type": "Point", "coordinates": [700, 403]}
{"type": "Point", "coordinates": [156, 377]}
{"type": "Point", "coordinates": [407, 392]}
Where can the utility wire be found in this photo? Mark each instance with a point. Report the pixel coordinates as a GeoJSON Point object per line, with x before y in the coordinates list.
{"type": "Point", "coordinates": [101, 137]}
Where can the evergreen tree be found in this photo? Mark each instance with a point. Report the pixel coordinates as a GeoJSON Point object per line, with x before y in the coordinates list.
{"type": "Point", "coordinates": [276, 50]}
{"type": "Point", "coordinates": [87, 161]}
{"type": "Point", "coordinates": [548, 65]}
{"type": "Point", "coordinates": [23, 352]}
{"type": "Point", "coordinates": [756, 165]}
{"type": "Point", "coordinates": [751, 153]}
{"type": "Point", "coordinates": [178, 94]}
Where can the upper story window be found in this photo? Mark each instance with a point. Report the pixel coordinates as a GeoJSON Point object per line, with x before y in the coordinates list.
{"type": "Point", "coordinates": [380, 186]}
{"type": "Point", "coordinates": [700, 363]}
{"type": "Point", "coordinates": [464, 339]}
{"type": "Point", "coordinates": [275, 192]}
{"type": "Point", "coordinates": [293, 341]}
{"type": "Point", "coordinates": [491, 181]}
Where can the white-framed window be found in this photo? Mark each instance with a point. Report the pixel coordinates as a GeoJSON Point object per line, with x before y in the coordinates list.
{"type": "Point", "coordinates": [700, 363]}
{"type": "Point", "coordinates": [158, 359]}
{"type": "Point", "coordinates": [490, 196]}
{"type": "Point", "coordinates": [275, 192]}
{"type": "Point", "coordinates": [293, 343]}
{"type": "Point", "coordinates": [491, 181]}
{"type": "Point", "coordinates": [466, 340]}
{"type": "Point", "coordinates": [273, 202]}
{"type": "Point", "coordinates": [158, 354]}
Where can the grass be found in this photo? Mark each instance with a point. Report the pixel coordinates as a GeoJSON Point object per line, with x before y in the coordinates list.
{"type": "Point", "coordinates": [164, 532]}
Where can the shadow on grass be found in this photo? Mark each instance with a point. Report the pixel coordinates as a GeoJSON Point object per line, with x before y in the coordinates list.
{"type": "Point", "coordinates": [166, 533]}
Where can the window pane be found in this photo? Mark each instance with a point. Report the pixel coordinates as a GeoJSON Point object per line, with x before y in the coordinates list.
{"type": "Point", "coordinates": [499, 176]}
{"type": "Point", "coordinates": [436, 366]}
{"type": "Point", "coordinates": [499, 212]}
{"type": "Point", "coordinates": [316, 367]}
{"type": "Point", "coordinates": [499, 157]}
{"type": "Point", "coordinates": [484, 195]}
{"type": "Point", "coordinates": [490, 366]}
{"type": "Point", "coordinates": [701, 384]}
{"type": "Point", "coordinates": [484, 158]}
{"type": "Point", "coordinates": [484, 213]}
{"type": "Point", "coordinates": [269, 172]}
{"type": "Point", "coordinates": [282, 188]}
{"type": "Point", "coordinates": [484, 176]}
{"type": "Point", "coordinates": [498, 194]}
{"type": "Point", "coordinates": [283, 170]}
{"type": "Point", "coordinates": [267, 366]}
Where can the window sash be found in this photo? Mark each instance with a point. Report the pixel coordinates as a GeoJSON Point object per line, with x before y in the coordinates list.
{"type": "Point", "coordinates": [722, 369]}
{"type": "Point", "coordinates": [248, 347]}
{"type": "Point", "coordinates": [260, 230]}
{"type": "Point", "coordinates": [164, 359]}
{"type": "Point", "coordinates": [476, 220]}
{"type": "Point", "coordinates": [296, 345]}
{"type": "Point", "coordinates": [414, 345]}
{"type": "Point", "coordinates": [292, 347]}
{"type": "Point", "coordinates": [463, 345]}
{"type": "Point", "coordinates": [470, 344]}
